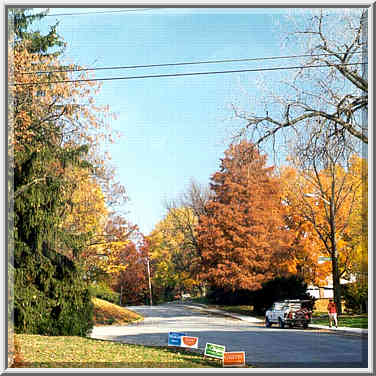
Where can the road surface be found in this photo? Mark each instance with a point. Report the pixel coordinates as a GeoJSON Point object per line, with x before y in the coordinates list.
{"type": "Point", "coordinates": [264, 347]}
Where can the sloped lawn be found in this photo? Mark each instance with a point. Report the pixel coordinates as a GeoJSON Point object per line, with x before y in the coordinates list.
{"type": "Point", "coordinates": [106, 313]}
{"type": "Point", "coordinates": [77, 352]}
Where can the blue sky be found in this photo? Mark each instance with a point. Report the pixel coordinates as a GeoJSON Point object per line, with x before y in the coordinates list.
{"type": "Point", "coordinates": [174, 129]}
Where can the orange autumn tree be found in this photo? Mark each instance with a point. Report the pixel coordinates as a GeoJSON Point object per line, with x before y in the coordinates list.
{"type": "Point", "coordinates": [243, 238]}
{"type": "Point", "coordinates": [307, 246]}
{"type": "Point", "coordinates": [132, 282]}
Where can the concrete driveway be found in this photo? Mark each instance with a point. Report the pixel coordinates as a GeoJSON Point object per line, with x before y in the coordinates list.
{"type": "Point", "coordinates": [264, 347]}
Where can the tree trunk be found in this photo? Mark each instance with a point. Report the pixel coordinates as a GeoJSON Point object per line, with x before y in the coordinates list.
{"type": "Point", "coordinates": [334, 252]}
{"type": "Point", "coordinates": [336, 285]}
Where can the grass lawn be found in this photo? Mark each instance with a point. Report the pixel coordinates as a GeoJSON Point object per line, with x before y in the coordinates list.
{"type": "Point", "coordinates": [106, 313]}
{"type": "Point", "coordinates": [36, 351]}
{"type": "Point", "coordinates": [77, 352]}
{"type": "Point", "coordinates": [353, 321]}
{"type": "Point", "coordinates": [241, 310]}
{"type": "Point", "coordinates": [319, 318]}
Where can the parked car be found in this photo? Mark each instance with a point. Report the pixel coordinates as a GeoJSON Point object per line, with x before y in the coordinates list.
{"type": "Point", "coordinates": [288, 313]}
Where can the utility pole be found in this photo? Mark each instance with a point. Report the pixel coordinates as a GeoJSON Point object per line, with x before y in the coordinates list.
{"type": "Point", "coordinates": [151, 298]}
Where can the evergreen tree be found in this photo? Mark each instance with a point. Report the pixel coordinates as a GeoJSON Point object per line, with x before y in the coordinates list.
{"type": "Point", "coordinates": [20, 22]}
{"type": "Point", "coordinates": [51, 294]}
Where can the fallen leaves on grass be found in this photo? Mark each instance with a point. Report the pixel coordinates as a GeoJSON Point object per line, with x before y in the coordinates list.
{"type": "Point", "coordinates": [78, 352]}
{"type": "Point", "coordinates": [106, 313]}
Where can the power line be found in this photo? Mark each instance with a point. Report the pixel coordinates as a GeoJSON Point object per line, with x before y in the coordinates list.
{"type": "Point", "coordinates": [176, 74]}
{"type": "Point", "coordinates": [102, 12]}
{"type": "Point", "coordinates": [182, 63]}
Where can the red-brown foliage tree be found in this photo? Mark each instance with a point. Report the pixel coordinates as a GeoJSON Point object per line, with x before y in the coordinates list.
{"type": "Point", "coordinates": [243, 238]}
{"type": "Point", "coordinates": [132, 283]}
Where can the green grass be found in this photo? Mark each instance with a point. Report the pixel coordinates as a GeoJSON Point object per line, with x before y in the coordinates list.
{"type": "Point", "coordinates": [36, 351]}
{"type": "Point", "coordinates": [355, 321]}
{"type": "Point", "coordinates": [319, 318]}
{"type": "Point", "coordinates": [246, 310]}
{"type": "Point", "coordinates": [77, 352]}
{"type": "Point", "coordinates": [241, 310]}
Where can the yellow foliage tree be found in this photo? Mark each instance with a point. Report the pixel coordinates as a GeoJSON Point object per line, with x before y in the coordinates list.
{"type": "Point", "coordinates": [323, 208]}
{"type": "Point", "coordinates": [172, 252]}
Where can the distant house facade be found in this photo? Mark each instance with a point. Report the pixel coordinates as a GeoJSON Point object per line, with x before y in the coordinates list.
{"type": "Point", "coordinates": [326, 291]}
{"type": "Point", "coordinates": [323, 293]}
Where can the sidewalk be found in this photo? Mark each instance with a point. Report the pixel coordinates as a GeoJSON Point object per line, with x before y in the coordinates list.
{"type": "Point", "coordinates": [340, 329]}
{"type": "Point", "coordinates": [254, 319]}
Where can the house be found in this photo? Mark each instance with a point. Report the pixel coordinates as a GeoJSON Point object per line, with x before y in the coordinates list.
{"type": "Point", "coordinates": [323, 293]}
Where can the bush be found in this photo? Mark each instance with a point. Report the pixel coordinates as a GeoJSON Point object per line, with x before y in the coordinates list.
{"type": "Point", "coordinates": [277, 289]}
{"type": "Point", "coordinates": [228, 297]}
{"type": "Point", "coordinates": [51, 297]}
{"type": "Point", "coordinates": [280, 289]}
{"type": "Point", "coordinates": [102, 291]}
{"type": "Point", "coordinates": [355, 296]}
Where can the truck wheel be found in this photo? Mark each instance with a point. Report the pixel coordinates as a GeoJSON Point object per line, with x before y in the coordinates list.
{"type": "Point", "coordinates": [268, 324]}
{"type": "Point", "coordinates": [281, 324]}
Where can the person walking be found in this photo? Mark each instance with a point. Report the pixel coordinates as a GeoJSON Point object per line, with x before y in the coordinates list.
{"type": "Point", "coordinates": [332, 312]}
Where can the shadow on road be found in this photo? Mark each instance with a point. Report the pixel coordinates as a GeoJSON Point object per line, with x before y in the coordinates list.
{"type": "Point", "coordinates": [278, 349]}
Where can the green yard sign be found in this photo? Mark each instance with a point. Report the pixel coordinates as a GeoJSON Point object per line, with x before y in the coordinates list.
{"type": "Point", "coordinates": [215, 351]}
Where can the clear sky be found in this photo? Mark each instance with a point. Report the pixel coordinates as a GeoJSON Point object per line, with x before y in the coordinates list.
{"type": "Point", "coordinates": [174, 129]}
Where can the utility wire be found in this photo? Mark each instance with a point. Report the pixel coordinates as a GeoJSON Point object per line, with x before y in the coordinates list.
{"type": "Point", "coordinates": [182, 63]}
{"type": "Point", "coordinates": [102, 12]}
{"type": "Point", "coordinates": [176, 75]}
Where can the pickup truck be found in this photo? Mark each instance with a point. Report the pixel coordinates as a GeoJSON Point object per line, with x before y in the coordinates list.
{"type": "Point", "coordinates": [288, 313]}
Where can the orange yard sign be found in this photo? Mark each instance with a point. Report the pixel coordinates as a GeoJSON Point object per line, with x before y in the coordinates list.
{"type": "Point", "coordinates": [234, 359]}
{"type": "Point", "coordinates": [189, 342]}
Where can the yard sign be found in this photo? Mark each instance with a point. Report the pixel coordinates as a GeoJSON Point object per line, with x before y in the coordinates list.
{"type": "Point", "coordinates": [191, 342]}
{"type": "Point", "coordinates": [174, 338]}
{"type": "Point", "coordinates": [215, 351]}
{"type": "Point", "coordinates": [234, 359]}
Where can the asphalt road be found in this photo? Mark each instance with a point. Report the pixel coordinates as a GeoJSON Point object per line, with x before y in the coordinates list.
{"type": "Point", "coordinates": [264, 347]}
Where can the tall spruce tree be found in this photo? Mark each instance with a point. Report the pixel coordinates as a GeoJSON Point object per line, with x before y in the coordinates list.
{"type": "Point", "coordinates": [51, 295]}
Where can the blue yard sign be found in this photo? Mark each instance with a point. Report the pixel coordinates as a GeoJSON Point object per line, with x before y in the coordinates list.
{"type": "Point", "coordinates": [174, 338]}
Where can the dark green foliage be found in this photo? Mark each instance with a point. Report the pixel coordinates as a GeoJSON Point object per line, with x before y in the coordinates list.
{"type": "Point", "coordinates": [228, 297]}
{"type": "Point", "coordinates": [102, 291]}
{"type": "Point", "coordinates": [21, 20]}
{"type": "Point", "coordinates": [276, 289]}
{"type": "Point", "coordinates": [356, 296]}
{"type": "Point", "coordinates": [51, 294]}
{"type": "Point", "coordinates": [279, 289]}
{"type": "Point", "coordinates": [51, 297]}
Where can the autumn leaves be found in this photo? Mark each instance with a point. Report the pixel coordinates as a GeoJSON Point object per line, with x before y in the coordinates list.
{"type": "Point", "coordinates": [243, 234]}
{"type": "Point", "coordinates": [258, 223]}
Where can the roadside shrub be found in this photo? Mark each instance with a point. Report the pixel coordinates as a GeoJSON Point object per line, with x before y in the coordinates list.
{"type": "Point", "coordinates": [217, 295]}
{"type": "Point", "coordinates": [281, 288]}
{"type": "Point", "coordinates": [355, 296]}
{"type": "Point", "coordinates": [102, 291]}
{"type": "Point", "coordinates": [51, 297]}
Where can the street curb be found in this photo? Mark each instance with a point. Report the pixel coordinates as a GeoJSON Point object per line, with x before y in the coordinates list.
{"type": "Point", "coordinates": [341, 329]}
{"type": "Point", "coordinates": [254, 319]}
{"type": "Point", "coordinates": [224, 313]}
